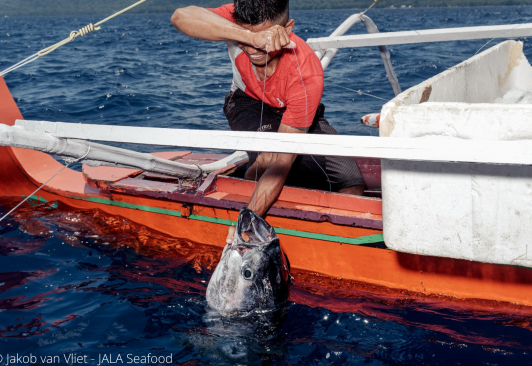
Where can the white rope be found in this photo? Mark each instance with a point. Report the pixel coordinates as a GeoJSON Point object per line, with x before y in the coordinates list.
{"type": "Point", "coordinates": [20, 64]}
{"type": "Point", "coordinates": [73, 35]}
{"type": "Point", "coordinates": [42, 185]}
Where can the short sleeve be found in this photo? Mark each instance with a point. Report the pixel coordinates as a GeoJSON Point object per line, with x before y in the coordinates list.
{"type": "Point", "coordinates": [225, 11]}
{"type": "Point", "coordinates": [303, 101]}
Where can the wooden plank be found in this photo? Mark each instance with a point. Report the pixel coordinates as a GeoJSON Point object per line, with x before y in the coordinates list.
{"type": "Point", "coordinates": [421, 36]}
{"type": "Point", "coordinates": [306, 197]}
{"type": "Point", "coordinates": [432, 148]}
{"type": "Point", "coordinates": [107, 173]}
{"type": "Point", "coordinates": [114, 174]}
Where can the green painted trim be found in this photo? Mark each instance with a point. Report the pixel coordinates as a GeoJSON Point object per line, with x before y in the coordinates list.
{"type": "Point", "coordinates": [377, 238]}
{"type": "Point", "coordinates": [35, 198]}
{"type": "Point", "coordinates": [214, 220]}
{"type": "Point", "coordinates": [132, 206]}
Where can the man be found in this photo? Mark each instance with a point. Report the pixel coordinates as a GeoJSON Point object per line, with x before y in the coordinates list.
{"type": "Point", "coordinates": [277, 87]}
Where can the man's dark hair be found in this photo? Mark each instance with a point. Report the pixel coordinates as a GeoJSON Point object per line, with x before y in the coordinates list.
{"type": "Point", "coordinates": [255, 12]}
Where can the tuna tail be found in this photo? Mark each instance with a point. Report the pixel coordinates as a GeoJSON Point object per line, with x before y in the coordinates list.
{"type": "Point", "coordinates": [256, 228]}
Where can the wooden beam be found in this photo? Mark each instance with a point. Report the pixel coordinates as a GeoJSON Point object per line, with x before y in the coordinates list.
{"type": "Point", "coordinates": [421, 36]}
{"type": "Point", "coordinates": [438, 148]}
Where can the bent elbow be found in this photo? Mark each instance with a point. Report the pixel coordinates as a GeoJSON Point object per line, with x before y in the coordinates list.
{"type": "Point", "coordinates": [178, 17]}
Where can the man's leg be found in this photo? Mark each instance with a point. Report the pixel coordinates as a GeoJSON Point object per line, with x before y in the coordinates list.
{"type": "Point", "coordinates": [337, 173]}
{"type": "Point", "coordinates": [245, 113]}
{"type": "Point", "coordinates": [354, 190]}
{"type": "Point", "coordinates": [259, 166]}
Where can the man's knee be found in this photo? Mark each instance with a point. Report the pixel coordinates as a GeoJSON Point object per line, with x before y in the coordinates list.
{"type": "Point", "coordinates": [354, 190]}
{"type": "Point", "coordinates": [258, 167]}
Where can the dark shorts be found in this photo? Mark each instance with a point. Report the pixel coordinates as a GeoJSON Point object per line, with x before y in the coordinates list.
{"type": "Point", "coordinates": [244, 114]}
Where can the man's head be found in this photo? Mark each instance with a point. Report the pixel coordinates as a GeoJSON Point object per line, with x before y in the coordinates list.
{"type": "Point", "coordinates": [260, 15]}
{"type": "Point", "coordinates": [255, 12]}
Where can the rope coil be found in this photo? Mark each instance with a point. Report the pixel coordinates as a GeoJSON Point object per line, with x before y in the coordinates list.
{"type": "Point", "coordinates": [73, 35]}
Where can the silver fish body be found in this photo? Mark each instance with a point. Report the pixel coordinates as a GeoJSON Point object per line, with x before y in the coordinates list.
{"type": "Point", "coordinates": [252, 274]}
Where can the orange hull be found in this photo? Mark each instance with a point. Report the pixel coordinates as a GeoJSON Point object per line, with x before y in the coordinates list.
{"type": "Point", "coordinates": [323, 247]}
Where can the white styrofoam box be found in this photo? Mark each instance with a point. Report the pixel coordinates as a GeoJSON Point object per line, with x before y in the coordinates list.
{"type": "Point", "coordinates": [480, 212]}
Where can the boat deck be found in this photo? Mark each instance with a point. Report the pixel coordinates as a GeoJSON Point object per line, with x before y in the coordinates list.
{"type": "Point", "coordinates": [220, 190]}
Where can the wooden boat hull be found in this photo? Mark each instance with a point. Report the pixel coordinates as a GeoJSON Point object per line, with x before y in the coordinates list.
{"type": "Point", "coordinates": [343, 252]}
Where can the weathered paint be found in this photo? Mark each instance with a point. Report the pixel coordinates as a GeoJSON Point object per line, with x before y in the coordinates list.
{"type": "Point", "coordinates": [233, 193]}
{"type": "Point", "coordinates": [23, 170]}
{"type": "Point", "coordinates": [371, 120]}
{"type": "Point", "coordinates": [376, 238]}
{"type": "Point", "coordinates": [371, 171]}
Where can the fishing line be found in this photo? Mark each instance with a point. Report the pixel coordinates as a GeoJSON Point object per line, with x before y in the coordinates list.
{"type": "Point", "coordinates": [500, 36]}
{"type": "Point", "coordinates": [262, 112]}
{"type": "Point", "coordinates": [262, 104]}
{"type": "Point", "coordinates": [306, 115]}
{"type": "Point", "coordinates": [42, 185]}
{"type": "Point", "coordinates": [260, 124]}
{"type": "Point", "coordinates": [360, 92]}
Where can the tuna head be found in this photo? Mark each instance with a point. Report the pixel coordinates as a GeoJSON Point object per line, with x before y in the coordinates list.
{"type": "Point", "coordinates": [253, 273]}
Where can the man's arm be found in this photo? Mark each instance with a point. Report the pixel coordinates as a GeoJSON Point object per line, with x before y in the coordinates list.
{"type": "Point", "coordinates": [276, 167]}
{"type": "Point", "coordinates": [204, 24]}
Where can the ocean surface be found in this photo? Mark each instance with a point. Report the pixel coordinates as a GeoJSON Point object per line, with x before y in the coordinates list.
{"type": "Point", "coordinates": [84, 283]}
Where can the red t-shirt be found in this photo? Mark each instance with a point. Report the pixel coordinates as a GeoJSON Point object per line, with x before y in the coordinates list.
{"type": "Point", "coordinates": [284, 89]}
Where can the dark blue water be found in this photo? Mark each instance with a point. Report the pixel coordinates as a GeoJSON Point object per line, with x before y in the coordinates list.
{"type": "Point", "coordinates": [88, 283]}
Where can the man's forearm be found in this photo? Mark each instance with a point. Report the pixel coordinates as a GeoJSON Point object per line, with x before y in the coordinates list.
{"type": "Point", "coordinates": [204, 24]}
{"type": "Point", "coordinates": [271, 183]}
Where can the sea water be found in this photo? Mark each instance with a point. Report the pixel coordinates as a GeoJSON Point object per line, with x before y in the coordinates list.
{"type": "Point", "coordinates": [84, 287]}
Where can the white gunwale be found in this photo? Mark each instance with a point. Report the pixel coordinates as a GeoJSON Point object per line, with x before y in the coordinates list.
{"type": "Point", "coordinates": [433, 148]}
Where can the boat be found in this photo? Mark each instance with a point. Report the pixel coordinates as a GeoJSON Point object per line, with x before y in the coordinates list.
{"type": "Point", "coordinates": [332, 235]}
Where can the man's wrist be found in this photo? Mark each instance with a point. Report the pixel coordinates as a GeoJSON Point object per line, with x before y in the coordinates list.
{"type": "Point", "coordinates": [244, 35]}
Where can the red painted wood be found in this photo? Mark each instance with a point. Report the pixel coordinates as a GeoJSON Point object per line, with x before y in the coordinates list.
{"type": "Point", "coordinates": [23, 170]}
{"type": "Point", "coordinates": [201, 156]}
{"type": "Point", "coordinates": [162, 177]}
{"type": "Point", "coordinates": [371, 171]}
{"type": "Point", "coordinates": [305, 196]}
{"type": "Point", "coordinates": [113, 174]}
{"type": "Point", "coordinates": [171, 155]}
{"type": "Point", "coordinates": [107, 173]}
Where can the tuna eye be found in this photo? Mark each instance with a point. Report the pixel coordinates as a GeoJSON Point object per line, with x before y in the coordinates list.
{"type": "Point", "coordinates": [248, 274]}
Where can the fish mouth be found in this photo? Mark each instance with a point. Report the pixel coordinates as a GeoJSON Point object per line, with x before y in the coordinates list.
{"type": "Point", "coordinates": [252, 230]}
{"type": "Point", "coordinates": [242, 249]}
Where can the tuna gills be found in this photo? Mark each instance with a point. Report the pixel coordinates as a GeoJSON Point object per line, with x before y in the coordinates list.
{"type": "Point", "coordinates": [253, 273]}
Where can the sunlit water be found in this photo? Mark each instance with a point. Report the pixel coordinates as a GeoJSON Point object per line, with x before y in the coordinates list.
{"type": "Point", "coordinates": [95, 285]}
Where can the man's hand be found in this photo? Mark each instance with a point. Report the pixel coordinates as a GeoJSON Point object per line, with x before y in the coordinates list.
{"type": "Point", "coordinates": [272, 39]}
{"type": "Point", "coordinates": [231, 234]}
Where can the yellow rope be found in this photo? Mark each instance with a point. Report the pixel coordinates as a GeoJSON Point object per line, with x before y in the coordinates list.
{"type": "Point", "coordinates": [83, 31]}
{"type": "Point", "coordinates": [372, 5]}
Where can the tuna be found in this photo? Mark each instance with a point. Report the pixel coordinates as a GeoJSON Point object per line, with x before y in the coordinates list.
{"type": "Point", "coordinates": [253, 273]}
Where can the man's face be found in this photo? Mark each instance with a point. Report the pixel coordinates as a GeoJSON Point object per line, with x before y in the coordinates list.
{"type": "Point", "coordinates": [257, 56]}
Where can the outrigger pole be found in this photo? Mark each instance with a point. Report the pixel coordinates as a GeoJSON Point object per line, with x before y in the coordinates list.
{"type": "Point", "coordinates": [94, 154]}
{"type": "Point", "coordinates": [433, 148]}
{"type": "Point", "coordinates": [421, 36]}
